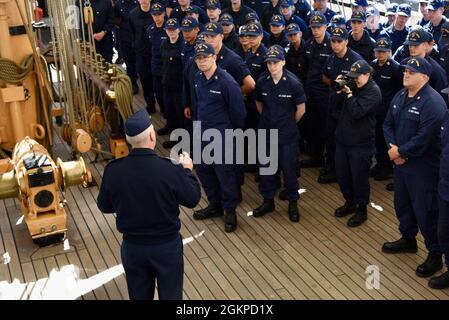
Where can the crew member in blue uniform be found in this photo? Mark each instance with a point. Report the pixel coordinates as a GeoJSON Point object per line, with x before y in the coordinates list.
{"type": "Point", "coordinates": [321, 5]}
{"type": "Point", "coordinates": [102, 27]}
{"type": "Point", "coordinates": [436, 17]}
{"type": "Point", "coordinates": [355, 136]}
{"type": "Point", "coordinates": [190, 30]}
{"type": "Point", "coordinates": [253, 17]}
{"type": "Point", "coordinates": [390, 14]}
{"type": "Point", "coordinates": [122, 9]}
{"type": "Point", "coordinates": [412, 132]}
{"type": "Point", "coordinates": [145, 191]}
{"type": "Point", "coordinates": [442, 281]}
{"type": "Point", "coordinates": [230, 37]}
{"type": "Point", "coordinates": [443, 47]}
{"type": "Point", "coordinates": [171, 80]}
{"type": "Point", "coordinates": [280, 100]}
{"type": "Point", "coordinates": [277, 31]}
{"type": "Point", "coordinates": [373, 26]}
{"type": "Point", "coordinates": [268, 12]}
{"type": "Point", "coordinates": [180, 12]}
{"type": "Point", "coordinates": [302, 8]}
{"type": "Point", "coordinates": [424, 12]}
{"type": "Point", "coordinates": [288, 12]}
{"type": "Point", "coordinates": [397, 31]}
{"type": "Point", "coordinates": [156, 34]}
{"type": "Point", "coordinates": [140, 18]}
{"type": "Point", "coordinates": [337, 64]}
{"type": "Point", "coordinates": [213, 10]}
{"type": "Point", "coordinates": [219, 105]}
{"type": "Point", "coordinates": [388, 76]}
{"type": "Point", "coordinates": [337, 20]}
{"type": "Point", "coordinates": [359, 5]}
{"type": "Point", "coordinates": [295, 52]}
{"type": "Point", "coordinates": [238, 11]}
{"type": "Point", "coordinates": [317, 51]}
{"type": "Point", "coordinates": [359, 39]}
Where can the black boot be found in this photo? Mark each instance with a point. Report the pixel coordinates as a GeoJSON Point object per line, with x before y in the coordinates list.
{"type": "Point", "coordinates": [390, 187]}
{"type": "Point", "coordinates": [440, 282]}
{"type": "Point", "coordinates": [293, 211]}
{"type": "Point", "coordinates": [359, 217]}
{"type": "Point", "coordinates": [164, 131]}
{"type": "Point", "coordinates": [401, 246]}
{"type": "Point", "coordinates": [348, 208]}
{"type": "Point", "coordinates": [266, 207]}
{"type": "Point", "coordinates": [327, 175]}
{"type": "Point", "coordinates": [433, 263]}
{"type": "Point", "coordinates": [230, 221]}
{"type": "Point", "coordinates": [212, 210]}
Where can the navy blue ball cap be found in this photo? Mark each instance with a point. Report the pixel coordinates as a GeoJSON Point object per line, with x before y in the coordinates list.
{"type": "Point", "coordinates": [226, 19]}
{"type": "Point", "coordinates": [213, 4]}
{"type": "Point", "coordinates": [137, 123]}
{"type": "Point", "coordinates": [203, 50]}
{"type": "Point", "coordinates": [275, 53]}
{"type": "Point", "coordinates": [292, 28]}
{"type": "Point", "coordinates": [157, 8]}
{"type": "Point", "coordinates": [359, 67]}
{"type": "Point", "coordinates": [188, 24]}
{"type": "Point", "coordinates": [391, 9]}
{"type": "Point", "coordinates": [213, 29]}
{"type": "Point", "coordinates": [192, 9]}
{"type": "Point", "coordinates": [242, 30]}
{"type": "Point", "coordinates": [201, 38]}
{"type": "Point", "coordinates": [317, 19]}
{"type": "Point", "coordinates": [420, 65]}
{"type": "Point", "coordinates": [253, 29]}
{"type": "Point", "coordinates": [359, 3]}
{"type": "Point", "coordinates": [358, 16]}
{"type": "Point", "coordinates": [383, 44]}
{"type": "Point", "coordinates": [404, 10]}
{"type": "Point", "coordinates": [251, 16]}
{"type": "Point", "coordinates": [372, 11]}
{"type": "Point", "coordinates": [444, 32]}
{"type": "Point", "coordinates": [277, 20]}
{"type": "Point", "coordinates": [417, 37]}
{"type": "Point", "coordinates": [286, 3]}
{"type": "Point", "coordinates": [338, 33]}
{"type": "Point", "coordinates": [171, 23]}
{"type": "Point", "coordinates": [435, 4]}
{"type": "Point", "coordinates": [337, 20]}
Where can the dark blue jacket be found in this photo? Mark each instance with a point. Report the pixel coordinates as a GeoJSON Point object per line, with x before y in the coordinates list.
{"type": "Point", "coordinates": [414, 126]}
{"type": "Point", "coordinates": [280, 40]}
{"type": "Point", "coordinates": [364, 46]}
{"type": "Point", "coordinates": [295, 60]}
{"type": "Point", "coordinates": [240, 16]}
{"type": "Point", "coordinates": [139, 22]}
{"type": "Point", "coordinates": [218, 101]}
{"type": "Point", "coordinates": [145, 191]}
{"type": "Point", "coordinates": [397, 38]}
{"type": "Point", "coordinates": [172, 63]}
{"type": "Point", "coordinates": [443, 187]}
{"type": "Point", "coordinates": [178, 14]}
{"type": "Point", "coordinates": [316, 57]}
{"type": "Point", "coordinates": [435, 30]}
{"type": "Point", "coordinates": [256, 61]}
{"type": "Point", "coordinates": [302, 9]}
{"type": "Point", "coordinates": [103, 18]}
{"type": "Point", "coordinates": [280, 104]}
{"type": "Point", "coordinates": [233, 64]}
{"type": "Point", "coordinates": [155, 38]}
{"type": "Point", "coordinates": [122, 9]}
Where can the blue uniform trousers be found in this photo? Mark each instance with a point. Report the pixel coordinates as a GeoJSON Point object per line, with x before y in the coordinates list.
{"type": "Point", "coordinates": [143, 64]}
{"type": "Point", "coordinates": [220, 184]}
{"type": "Point", "coordinates": [416, 205]}
{"type": "Point", "coordinates": [289, 165]}
{"type": "Point", "coordinates": [159, 92]}
{"type": "Point", "coordinates": [331, 126]}
{"type": "Point", "coordinates": [146, 265]}
{"type": "Point", "coordinates": [443, 229]}
{"type": "Point", "coordinates": [174, 112]}
{"type": "Point", "coordinates": [129, 56]}
{"type": "Point", "coordinates": [317, 111]}
{"type": "Point", "coordinates": [352, 168]}
{"type": "Point", "coordinates": [382, 157]}
{"type": "Point", "coordinates": [104, 48]}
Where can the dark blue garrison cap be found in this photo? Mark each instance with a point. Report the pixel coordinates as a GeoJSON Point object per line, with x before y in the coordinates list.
{"type": "Point", "coordinates": [137, 123]}
{"type": "Point", "coordinates": [420, 65]}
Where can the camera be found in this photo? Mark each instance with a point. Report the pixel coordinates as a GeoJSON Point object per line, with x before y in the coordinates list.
{"type": "Point", "coordinates": [338, 84]}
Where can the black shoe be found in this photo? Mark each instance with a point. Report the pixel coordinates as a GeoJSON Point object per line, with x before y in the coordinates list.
{"type": "Point", "coordinates": [359, 217]}
{"type": "Point", "coordinates": [402, 245]}
{"type": "Point", "coordinates": [293, 211]}
{"type": "Point", "coordinates": [384, 173]}
{"type": "Point", "coordinates": [135, 89]}
{"type": "Point", "coordinates": [212, 210]}
{"type": "Point", "coordinates": [169, 144]}
{"type": "Point", "coordinates": [164, 131]}
{"type": "Point", "coordinates": [230, 221]}
{"type": "Point", "coordinates": [433, 263]}
{"type": "Point", "coordinates": [390, 187]}
{"type": "Point", "coordinates": [311, 163]}
{"type": "Point", "coordinates": [283, 195]}
{"type": "Point", "coordinates": [327, 176]}
{"type": "Point", "coordinates": [374, 170]}
{"type": "Point", "coordinates": [151, 110]}
{"type": "Point", "coordinates": [440, 282]}
{"type": "Point", "coordinates": [266, 207]}
{"type": "Point", "coordinates": [348, 208]}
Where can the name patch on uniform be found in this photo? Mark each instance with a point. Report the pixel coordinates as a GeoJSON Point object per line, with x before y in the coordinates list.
{"type": "Point", "coordinates": [256, 65]}
{"type": "Point", "coordinates": [215, 92]}
{"type": "Point", "coordinates": [264, 94]}
{"type": "Point", "coordinates": [285, 96]}
{"type": "Point", "coordinates": [385, 77]}
{"type": "Point", "coordinates": [413, 110]}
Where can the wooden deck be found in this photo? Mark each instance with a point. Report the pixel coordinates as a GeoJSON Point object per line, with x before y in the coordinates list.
{"type": "Point", "coordinates": [266, 258]}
